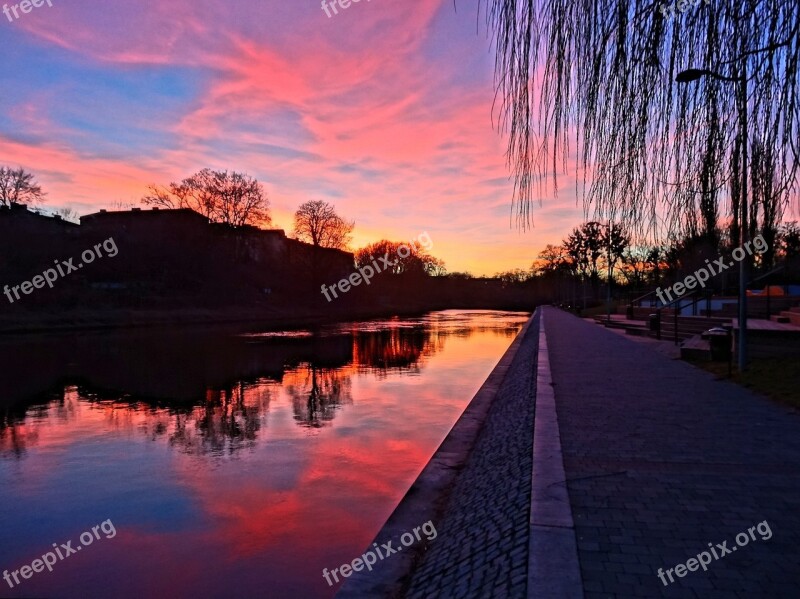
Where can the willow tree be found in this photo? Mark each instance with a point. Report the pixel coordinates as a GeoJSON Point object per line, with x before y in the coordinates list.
{"type": "Point", "coordinates": [588, 86]}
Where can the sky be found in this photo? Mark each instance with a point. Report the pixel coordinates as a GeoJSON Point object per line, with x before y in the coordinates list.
{"type": "Point", "coordinates": [384, 110]}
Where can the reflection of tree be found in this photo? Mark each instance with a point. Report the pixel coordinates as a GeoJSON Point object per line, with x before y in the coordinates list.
{"type": "Point", "coordinates": [221, 418]}
{"type": "Point", "coordinates": [19, 426]}
{"type": "Point", "coordinates": [15, 438]}
{"type": "Point", "coordinates": [397, 348]}
{"type": "Point", "coordinates": [316, 397]}
{"type": "Point", "coordinates": [228, 421]}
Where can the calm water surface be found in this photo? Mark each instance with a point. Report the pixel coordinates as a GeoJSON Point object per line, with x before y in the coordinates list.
{"type": "Point", "coordinates": [230, 465]}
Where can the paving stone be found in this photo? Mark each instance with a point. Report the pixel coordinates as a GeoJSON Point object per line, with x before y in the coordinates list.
{"type": "Point", "coordinates": [486, 519]}
{"type": "Point", "coordinates": [702, 460]}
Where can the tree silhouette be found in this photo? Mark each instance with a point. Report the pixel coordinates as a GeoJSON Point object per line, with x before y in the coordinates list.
{"type": "Point", "coordinates": [615, 241]}
{"type": "Point", "coordinates": [416, 260]}
{"type": "Point", "coordinates": [231, 198]}
{"type": "Point", "coordinates": [317, 223]}
{"type": "Point", "coordinates": [18, 186]}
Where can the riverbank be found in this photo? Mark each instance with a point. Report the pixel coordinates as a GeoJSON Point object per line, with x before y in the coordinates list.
{"type": "Point", "coordinates": [390, 298]}
{"type": "Point", "coordinates": [466, 490]}
{"type": "Point", "coordinates": [268, 318]}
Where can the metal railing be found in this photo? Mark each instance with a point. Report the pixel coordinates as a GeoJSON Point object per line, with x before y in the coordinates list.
{"type": "Point", "coordinates": [700, 294]}
{"type": "Point", "coordinates": [764, 276]}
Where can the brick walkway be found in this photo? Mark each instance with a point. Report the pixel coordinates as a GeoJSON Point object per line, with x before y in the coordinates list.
{"type": "Point", "coordinates": [662, 460]}
{"type": "Point", "coordinates": [482, 546]}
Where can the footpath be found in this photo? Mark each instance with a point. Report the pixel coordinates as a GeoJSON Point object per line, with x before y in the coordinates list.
{"type": "Point", "coordinates": [593, 465]}
{"type": "Point", "coordinates": [663, 460]}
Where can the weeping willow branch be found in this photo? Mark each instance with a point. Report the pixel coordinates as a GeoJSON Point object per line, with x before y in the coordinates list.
{"type": "Point", "coordinates": [587, 87]}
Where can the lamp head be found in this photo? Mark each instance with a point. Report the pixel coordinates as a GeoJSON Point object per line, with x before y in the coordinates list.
{"type": "Point", "coordinates": [691, 75]}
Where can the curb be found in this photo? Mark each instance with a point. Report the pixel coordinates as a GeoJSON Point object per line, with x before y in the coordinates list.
{"type": "Point", "coordinates": [553, 566]}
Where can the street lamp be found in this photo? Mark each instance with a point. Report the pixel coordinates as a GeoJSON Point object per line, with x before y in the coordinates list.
{"type": "Point", "coordinates": [693, 75]}
{"type": "Point", "coordinates": [608, 259]}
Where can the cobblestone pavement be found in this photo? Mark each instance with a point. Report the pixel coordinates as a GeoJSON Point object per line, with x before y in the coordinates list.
{"type": "Point", "coordinates": [482, 546]}
{"type": "Point", "coordinates": [663, 460]}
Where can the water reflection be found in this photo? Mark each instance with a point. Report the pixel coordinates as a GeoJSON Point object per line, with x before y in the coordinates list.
{"type": "Point", "coordinates": [231, 438]}
{"type": "Point", "coordinates": [316, 394]}
{"type": "Point", "coordinates": [215, 387]}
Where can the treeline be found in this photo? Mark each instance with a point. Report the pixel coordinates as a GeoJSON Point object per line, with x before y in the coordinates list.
{"type": "Point", "coordinates": [595, 253]}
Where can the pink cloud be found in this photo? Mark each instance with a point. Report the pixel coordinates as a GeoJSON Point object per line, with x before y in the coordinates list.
{"type": "Point", "coordinates": [366, 109]}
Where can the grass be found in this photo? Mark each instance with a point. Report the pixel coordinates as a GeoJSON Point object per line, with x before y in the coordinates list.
{"type": "Point", "coordinates": [777, 378]}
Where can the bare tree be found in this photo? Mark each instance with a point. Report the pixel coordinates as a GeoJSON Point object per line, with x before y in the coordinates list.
{"type": "Point", "coordinates": [18, 186]}
{"type": "Point", "coordinates": [221, 196]}
{"type": "Point", "coordinates": [789, 240]}
{"type": "Point", "coordinates": [416, 260]}
{"type": "Point", "coordinates": [596, 80]}
{"type": "Point", "coordinates": [68, 214]}
{"type": "Point", "coordinates": [242, 200]}
{"type": "Point", "coordinates": [122, 205]}
{"type": "Point", "coordinates": [317, 223]}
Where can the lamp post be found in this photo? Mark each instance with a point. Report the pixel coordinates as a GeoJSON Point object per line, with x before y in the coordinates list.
{"type": "Point", "coordinates": [693, 75]}
{"type": "Point", "coordinates": [608, 260]}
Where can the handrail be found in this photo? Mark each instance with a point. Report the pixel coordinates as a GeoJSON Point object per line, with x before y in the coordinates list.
{"type": "Point", "coordinates": [639, 299]}
{"type": "Point", "coordinates": [676, 311]}
{"type": "Point", "coordinates": [769, 295]}
{"type": "Point", "coordinates": [767, 274]}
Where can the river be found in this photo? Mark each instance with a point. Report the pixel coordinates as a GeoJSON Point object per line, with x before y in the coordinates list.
{"type": "Point", "coordinates": [227, 464]}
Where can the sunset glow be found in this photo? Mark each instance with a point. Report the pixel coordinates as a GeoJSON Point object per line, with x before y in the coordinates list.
{"type": "Point", "coordinates": [384, 109]}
